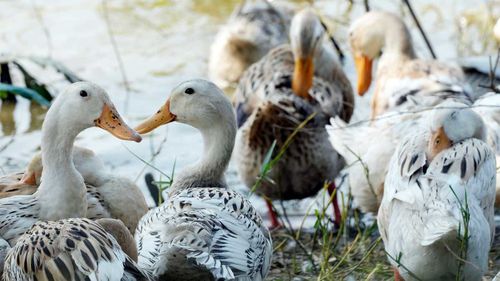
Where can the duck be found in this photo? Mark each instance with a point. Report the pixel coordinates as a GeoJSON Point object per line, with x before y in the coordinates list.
{"type": "Point", "coordinates": [204, 230]}
{"type": "Point", "coordinates": [111, 195]}
{"type": "Point", "coordinates": [72, 249]}
{"type": "Point", "coordinates": [401, 76]}
{"type": "Point", "coordinates": [487, 106]}
{"type": "Point", "coordinates": [291, 83]}
{"type": "Point", "coordinates": [62, 191]}
{"type": "Point", "coordinates": [441, 178]}
{"type": "Point", "coordinates": [367, 160]}
{"type": "Point", "coordinates": [254, 28]}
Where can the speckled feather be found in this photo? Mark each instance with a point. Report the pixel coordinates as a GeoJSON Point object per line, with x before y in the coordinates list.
{"type": "Point", "coordinates": [210, 228]}
{"type": "Point", "coordinates": [420, 209]}
{"type": "Point", "coordinates": [71, 249]}
{"type": "Point", "coordinates": [268, 110]}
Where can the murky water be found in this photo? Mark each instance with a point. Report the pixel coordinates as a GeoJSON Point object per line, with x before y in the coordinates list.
{"type": "Point", "coordinates": [163, 42]}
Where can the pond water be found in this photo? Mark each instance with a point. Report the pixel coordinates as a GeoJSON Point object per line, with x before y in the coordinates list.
{"type": "Point", "coordinates": [163, 42]}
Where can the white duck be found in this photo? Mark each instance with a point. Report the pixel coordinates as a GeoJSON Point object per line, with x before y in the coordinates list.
{"type": "Point", "coordinates": [400, 76]}
{"type": "Point", "coordinates": [488, 107]}
{"type": "Point", "coordinates": [437, 172]}
{"type": "Point", "coordinates": [367, 161]}
{"type": "Point", "coordinates": [252, 30]}
{"type": "Point", "coordinates": [62, 192]}
{"type": "Point", "coordinates": [204, 231]}
{"type": "Point", "coordinates": [109, 195]}
{"type": "Point", "coordinates": [72, 249]}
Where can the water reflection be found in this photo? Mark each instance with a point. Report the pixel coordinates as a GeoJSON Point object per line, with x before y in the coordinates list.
{"type": "Point", "coordinates": [7, 118]}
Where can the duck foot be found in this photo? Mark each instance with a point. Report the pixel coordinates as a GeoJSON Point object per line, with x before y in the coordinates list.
{"type": "Point", "coordinates": [336, 210]}
{"type": "Point", "coordinates": [275, 223]}
{"type": "Point", "coordinates": [397, 276]}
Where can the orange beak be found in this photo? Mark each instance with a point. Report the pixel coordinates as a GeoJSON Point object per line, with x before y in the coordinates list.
{"type": "Point", "coordinates": [303, 75]}
{"type": "Point", "coordinates": [111, 121]}
{"type": "Point", "coordinates": [161, 117]}
{"type": "Point", "coordinates": [364, 71]}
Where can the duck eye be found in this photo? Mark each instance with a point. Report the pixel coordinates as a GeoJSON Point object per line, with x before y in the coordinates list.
{"type": "Point", "coordinates": [189, 91]}
{"type": "Point", "coordinates": [83, 93]}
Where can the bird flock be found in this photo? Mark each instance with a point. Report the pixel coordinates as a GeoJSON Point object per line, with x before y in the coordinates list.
{"type": "Point", "coordinates": [425, 162]}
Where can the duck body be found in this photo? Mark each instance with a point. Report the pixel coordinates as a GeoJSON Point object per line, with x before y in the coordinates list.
{"type": "Point", "coordinates": [252, 30]}
{"type": "Point", "coordinates": [420, 216]}
{"type": "Point", "coordinates": [107, 195]}
{"type": "Point", "coordinates": [70, 249]}
{"type": "Point", "coordinates": [268, 109]}
{"type": "Point", "coordinates": [204, 230]}
{"type": "Point", "coordinates": [367, 160]}
{"type": "Point", "coordinates": [62, 192]}
{"type": "Point", "coordinates": [487, 107]}
{"type": "Point", "coordinates": [213, 233]}
{"type": "Point", "coordinates": [310, 160]}
{"type": "Point", "coordinates": [401, 76]}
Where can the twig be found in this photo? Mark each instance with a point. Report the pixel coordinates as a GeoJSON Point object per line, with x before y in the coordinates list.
{"type": "Point", "coordinates": [367, 5]}
{"type": "Point", "coordinates": [417, 22]}
{"type": "Point", "coordinates": [334, 42]}
{"type": "Point", "coordinates": [117, 53]}
{"type": "Point", "coordinates": [398, 261]}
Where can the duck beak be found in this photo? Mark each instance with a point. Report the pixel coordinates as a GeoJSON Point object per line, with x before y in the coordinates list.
{"type": "Point", "coordinates": [303, 75]}
{"type": "Point", "coordinates": [439, 142]}
{"type": "Point", "coordinates": [161, 117]}
{"type": "Point", "coordinates": [112, 122]}
{"type": "Point", "coordinates": [28, 178]}
{"type": "Point", "coordinates": [364, 71]}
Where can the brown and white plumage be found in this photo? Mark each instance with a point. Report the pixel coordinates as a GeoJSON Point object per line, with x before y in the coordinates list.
{"type": "Point", "coordinates": [204, 230]}
{"type": "Point", "coordinates": [108, 195]}
{"type": "Point", "coordinates": [436, 172]}
{"type": "Point", "coordinates": [275, 95]}
{"type": "Point", "coordinates": [62, 192]}
{"type": "Point", "coordinates": [254, 28]}
{"type": "Point", "coordinates": [70, 249]}
{"type": "Point", "coordinates": [401, 76]}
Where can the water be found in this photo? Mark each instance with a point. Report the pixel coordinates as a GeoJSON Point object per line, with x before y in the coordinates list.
{"type": "Point", "coordinates": [162, 43]}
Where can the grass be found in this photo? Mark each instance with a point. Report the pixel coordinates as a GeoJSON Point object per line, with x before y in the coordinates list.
{"type": "Point", "coordinates": [352, 251]}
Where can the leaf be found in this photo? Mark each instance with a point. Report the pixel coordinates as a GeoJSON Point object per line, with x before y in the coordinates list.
{"type": "Point", "coordinates": [25, 93]}
{"type": "Point", "coordinates": [267, 158]}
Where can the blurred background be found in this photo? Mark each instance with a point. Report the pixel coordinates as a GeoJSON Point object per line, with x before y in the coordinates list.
{"type": "Point", "coordinates": [139, 50]}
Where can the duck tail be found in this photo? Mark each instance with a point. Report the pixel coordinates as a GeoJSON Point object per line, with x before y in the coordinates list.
{"type": "Point", "coordinates": [343, 139]}
{"type": "Point", "coordinates": [153, 189]}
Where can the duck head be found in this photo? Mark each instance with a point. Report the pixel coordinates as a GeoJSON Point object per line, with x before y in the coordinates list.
{"type": "Point", "coordinates": [198, 103]}
{"type": "Point", "coordinates": [306, 34]}
{"type": "Point", "coordinates": [369, 35]}
{"type": "Point", "coordinates": [452, 122]}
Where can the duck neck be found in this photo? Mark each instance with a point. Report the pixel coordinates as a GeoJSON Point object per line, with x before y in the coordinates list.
{"type": "Point", "coordinates": [218, 143]}
{"type": "Point", "coordinates": [397, 40]}
{"type": "Point", "coordinates": [62, 191]}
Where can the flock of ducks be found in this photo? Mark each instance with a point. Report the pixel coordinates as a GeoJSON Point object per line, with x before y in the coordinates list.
{"type": "Point", "coordinates": [431, 175]}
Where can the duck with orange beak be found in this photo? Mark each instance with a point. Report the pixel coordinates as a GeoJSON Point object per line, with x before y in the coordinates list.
{"type": "Point", "coordinates": [109, 195]}
{"type": "Point", "coordinates": [62, 192]}
{"type": "Point", "coordinates": [438, 171]}
{"type": "Point", "coordinates": [400, 75]}
{"type": "Point", "coordinates": [286, 87]}
{"type": "Point", "coordinates": [204, 230]}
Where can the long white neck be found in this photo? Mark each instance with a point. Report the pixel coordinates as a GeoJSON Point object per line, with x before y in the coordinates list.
{"type": "Point", "coordinates": [397, 44]}
{"type": "Point", "coordinates": [218, 142]}
{"type": "Point", "coordinates": [62, 191]}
